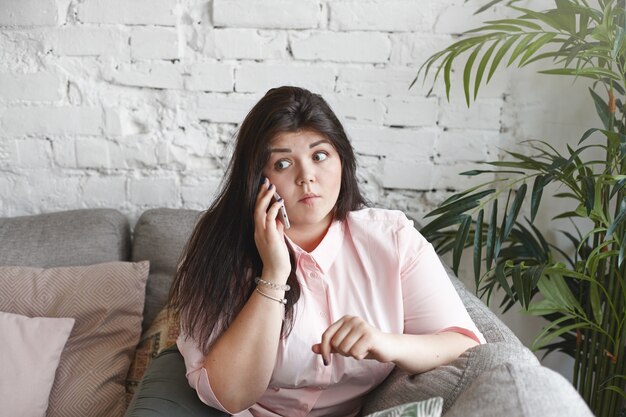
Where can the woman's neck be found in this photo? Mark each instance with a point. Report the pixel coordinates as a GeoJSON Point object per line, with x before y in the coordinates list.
{"type": "Point", "coordinates": [308, 237]}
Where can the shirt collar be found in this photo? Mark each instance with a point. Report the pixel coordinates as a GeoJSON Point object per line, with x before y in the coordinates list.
{"type": "Point", "coordinates": [326, 252]}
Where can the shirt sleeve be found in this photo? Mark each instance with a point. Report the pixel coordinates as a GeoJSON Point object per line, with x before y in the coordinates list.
{"type": "Point", "coordinates": [431, 304]}
{"type": "Point", "coordinates": [196, 373]}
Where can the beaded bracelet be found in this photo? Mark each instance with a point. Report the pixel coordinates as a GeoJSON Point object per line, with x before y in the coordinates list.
{"type": "Point", "coordinates": [282, 301]}
{"type": "Point", "coordinates": [271, 285]}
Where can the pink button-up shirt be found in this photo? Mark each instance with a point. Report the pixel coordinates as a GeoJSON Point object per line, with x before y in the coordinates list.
{"type": "Point", "coordinates": [374, 265]}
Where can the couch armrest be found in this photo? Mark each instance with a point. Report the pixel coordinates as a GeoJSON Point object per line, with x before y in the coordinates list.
{"type": "Point", "coordinates": [447, 381]}
{"type": "Point", "coordinates": [519, 390]}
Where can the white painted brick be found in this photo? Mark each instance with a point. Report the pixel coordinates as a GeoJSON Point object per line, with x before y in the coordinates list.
{"type": "Point", "coordinates": [457, 16]}
{"type": "Point", "coordinates": [113, 122]}
{"type": "Point", "coordinates": [199, 193]}
{"type": "Point", "coordinates": [447, 176]}
{"type": "Point", "coordinates": [383, 15]}
{"type": "Point", "coordinates": [270, 14]}
{"type": "Point", "coordinates": [33, 153]}
{"type": "Point", "coordinates": [154, 43]}
{"type": "Point", "coordinates": [341, 46]}
{"type": "Point", "coordinates": [483, 114]}
{"type": "Point", "coordinates": [135, 12]}
{"type": "Point", "coordinates": [160, 75]}
{"type": "Point", "coordinates": [357, 109]}
{"type": "Point", "coordinates": [477, 145]}
{"type": "Point", "coordinates": [32, 13]}
{"type": "Point", "coordinates": [390, 81]}
{"type": "Point", "coordinates": [64, 152]}
{"type": "Point", "coordinates": [20, 51]}
{"type": "Point", "coordinates": [104, 191]}
{"type": "Point", "coordinates": [193, 141]}
{"type": "Point", "coordinates": [8, 153]}
{"type": "Point", "coordinates": [41, 192]}
{"type": "Point", "coordinates": [411, 175]}
{"type": "Point", "coordinates": [7, 191]}
{"type": "Point", "coordinates": [406, 144]}
{"type": "Point", "coordinates": [210, 76]}
{"type": "Point", "coordinates": [174, 157]}
{"type": "Point", "coordinates": [411, 111]}
{"type": "Point", "coordinates": [88, 41]}
{"type": "Point", "coordinates": [51, 120]}
{"type": "Point", "coordinates": [250, 44]}
{"type": "Point", "coordinates": [124, 121]}
{"type": "Point", "coordinates": [154, 192]}
{"type": "Point", "coordinates": [92, 153]}
{"type": "Point", "coordinates": [136, 151]}
{"type": "Point", "coordinates": [224, 108]}
{"type": "Point", "coordinates": [416, 47]}
{"type": "Point", "coordinates": [37, 86]}
{"type": "Point", "coordinates": [252, 78]}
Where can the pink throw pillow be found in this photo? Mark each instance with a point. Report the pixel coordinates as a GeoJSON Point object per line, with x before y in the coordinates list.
{"type": "Point", "coordinates": [29, 356]}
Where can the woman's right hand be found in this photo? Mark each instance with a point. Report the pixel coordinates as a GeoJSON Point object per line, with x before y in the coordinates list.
{"type": "Point", "coordinates": [269, 236]}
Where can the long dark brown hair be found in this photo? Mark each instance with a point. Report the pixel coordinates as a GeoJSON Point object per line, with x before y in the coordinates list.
{"type": "Point", "coordinates": [214, 278]}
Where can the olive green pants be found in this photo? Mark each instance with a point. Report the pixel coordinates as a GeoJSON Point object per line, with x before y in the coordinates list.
{"type": "Point", "coordinates": [165, 392]}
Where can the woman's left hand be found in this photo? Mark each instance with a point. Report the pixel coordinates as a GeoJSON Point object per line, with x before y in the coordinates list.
{"type": "Point", "coordinates": [353, 337]}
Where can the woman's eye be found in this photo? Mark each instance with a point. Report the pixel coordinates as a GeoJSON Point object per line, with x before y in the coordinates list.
{"type": "Point", "coordinates": [320, 156]}
{"type": "Point", "coordinates": [282, 164]}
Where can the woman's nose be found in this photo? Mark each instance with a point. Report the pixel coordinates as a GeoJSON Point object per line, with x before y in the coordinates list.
{"type": "Point", "coordinates": [306, 175]}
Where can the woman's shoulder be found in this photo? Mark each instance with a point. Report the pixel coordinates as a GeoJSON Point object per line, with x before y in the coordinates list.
{"type": "Point", "coordinates": [378, 218]}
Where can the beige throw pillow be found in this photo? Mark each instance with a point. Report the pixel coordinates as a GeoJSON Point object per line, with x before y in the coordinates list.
{"type": "Point", "coordinates": [29, 356]}
{"type": "Point", "coordinates": [106, 300]}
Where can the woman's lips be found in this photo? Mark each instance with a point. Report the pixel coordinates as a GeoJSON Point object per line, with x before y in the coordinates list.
{"type": "Point", "coordinates": [308, 198]}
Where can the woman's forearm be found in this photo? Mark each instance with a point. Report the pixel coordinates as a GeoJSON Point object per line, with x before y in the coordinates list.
{"type": "Point", "coordinates": [420, 353]}
{"type": "Point", "coordinates": [241, 362]}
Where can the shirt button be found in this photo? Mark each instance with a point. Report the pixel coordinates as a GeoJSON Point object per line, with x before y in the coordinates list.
{"type": "Point", "coordinates": [314, 275]}
{"type": "Point", "coordinates": [322, 314]}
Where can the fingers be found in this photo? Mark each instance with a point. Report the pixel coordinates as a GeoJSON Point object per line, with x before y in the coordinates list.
{"type": "Point", "coordinates": [349, 336]}
{"type": "Point", "coordinates": [263, 199]}
{"type": "Point", "coordinates": [264, 213]}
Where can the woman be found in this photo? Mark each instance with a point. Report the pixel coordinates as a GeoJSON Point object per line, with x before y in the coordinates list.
{"type": "Point", "coordinates": [306, 320]}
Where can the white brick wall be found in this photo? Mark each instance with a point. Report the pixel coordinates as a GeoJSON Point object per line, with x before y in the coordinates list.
{"type": "Point", "coordinates": [272, 14]}
{"type": "Point", "coordinates": [131, 90]}
{"type": "Point", "coordinates": [32, 13]}
{"type": "Point", "coordinates": [37, 86]}
{"type": "Point", "coordinates": [129, 12]}
{"type": "Point", "coordinates": [132, 104]}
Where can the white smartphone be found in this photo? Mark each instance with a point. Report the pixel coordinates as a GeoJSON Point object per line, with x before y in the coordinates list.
{"type": "Point", "coordinates": [282, 212]}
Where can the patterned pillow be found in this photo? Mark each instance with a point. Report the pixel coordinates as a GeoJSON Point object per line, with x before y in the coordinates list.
{"type": "Point", "coordinates": [427, 408]}
{"type": "Point", "coordinates": [106, 300]}
{"type": "Point", "coordinates": [161, 334]}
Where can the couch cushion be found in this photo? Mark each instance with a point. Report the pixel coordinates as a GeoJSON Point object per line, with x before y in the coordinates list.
{"type": "Point", "coordinates": [159, 237]}
{"type": "Point", "coordinates": [106, 300]}
{"type": "Point", "coordinates": [519, 390]}
{"type": "Point", "coordinates": [447, 381]}
{"type": "Point", "coordinates": [78, 237]}
{"type": "Point", "coordinates": [31, 349]}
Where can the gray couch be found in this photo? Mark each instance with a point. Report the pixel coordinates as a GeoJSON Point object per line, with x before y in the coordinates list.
{"type": "Point", "coordinates": [500, 378]}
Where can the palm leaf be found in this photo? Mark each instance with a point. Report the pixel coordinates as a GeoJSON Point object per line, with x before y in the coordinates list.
{"type": "Point", "coordinates": [478, 246]}
{"type": "Point", "coordinates": [459, 244]}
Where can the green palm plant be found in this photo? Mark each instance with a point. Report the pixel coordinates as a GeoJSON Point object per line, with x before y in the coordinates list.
{"type": "Point", "coordinates": [581, 294]}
